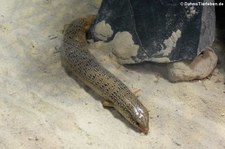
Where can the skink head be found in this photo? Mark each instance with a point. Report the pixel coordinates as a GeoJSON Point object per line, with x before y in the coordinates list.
{"type": "Point", "coordinates": [141, 118]}
{"type": "Point", "coordinates": [137, 115]}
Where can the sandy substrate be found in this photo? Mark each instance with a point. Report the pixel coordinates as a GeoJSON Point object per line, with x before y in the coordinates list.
{"type": "Point", "coordinates": [42, 107]}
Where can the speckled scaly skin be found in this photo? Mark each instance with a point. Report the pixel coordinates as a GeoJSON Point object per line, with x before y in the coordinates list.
{"type": "Point", "coordinates": [77, 59]}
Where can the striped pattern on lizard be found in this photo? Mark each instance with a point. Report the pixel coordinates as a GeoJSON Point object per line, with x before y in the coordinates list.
{"type": "Point", "coordinates": [82, 64]}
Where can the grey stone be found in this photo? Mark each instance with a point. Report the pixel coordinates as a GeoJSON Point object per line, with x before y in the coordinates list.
{"type": "Point", "coordinates": [165, 31]}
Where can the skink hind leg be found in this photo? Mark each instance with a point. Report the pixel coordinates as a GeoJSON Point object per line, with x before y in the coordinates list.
{"type": "Point", "coordinates": [88, 21]}
{"type": "Point", "coordinates": [107, 103]}
{"type": "Point", "coordinates": [136, 92]}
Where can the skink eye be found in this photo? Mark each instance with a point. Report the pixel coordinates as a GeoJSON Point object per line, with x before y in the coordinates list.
{"type": "Point", "coordinates": [137, 124]}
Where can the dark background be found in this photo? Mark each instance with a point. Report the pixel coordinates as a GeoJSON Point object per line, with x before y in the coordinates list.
{"type": "Point", "coordinates": [220, 20]}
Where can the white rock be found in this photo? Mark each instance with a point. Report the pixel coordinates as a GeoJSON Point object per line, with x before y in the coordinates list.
{"type": "Point", "coordinates": [199, 68]}
{"type": "Point", "coordinates": [103, 31]}
{"type": "Point", "coordinates": [124, 47]}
